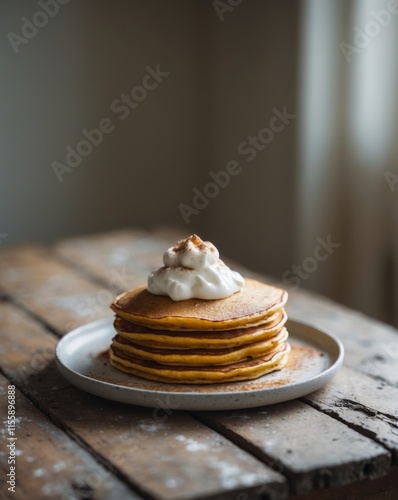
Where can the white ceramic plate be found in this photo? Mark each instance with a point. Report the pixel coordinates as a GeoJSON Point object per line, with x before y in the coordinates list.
{"type": "Point", "coordinates": [314, 359]}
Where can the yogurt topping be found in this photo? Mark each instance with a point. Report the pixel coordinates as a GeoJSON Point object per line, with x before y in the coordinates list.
{"type": "Point", "coordinates": [193, 270]}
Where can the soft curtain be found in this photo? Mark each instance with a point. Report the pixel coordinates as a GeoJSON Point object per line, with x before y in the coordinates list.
{"type": "Point", "coordinates": [348, 165]}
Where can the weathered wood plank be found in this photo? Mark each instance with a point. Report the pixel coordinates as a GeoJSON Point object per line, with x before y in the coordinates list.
{"type": "Point", "coordinates": [62, 293]}
{"type": "Point", "coordinates": [57, 294]}
{"type": "Point", "coordinates": [365, 404]}
{"type": "Point", "coordinates": [121, 257]}
{"type": "Point", "coordinates": [309, 448]}
{"type": "Point", "coordinates": [48, 463]}
{"type": "Point", "coordinates": [384, 488]}
{"type": "Point", "coordinates": [371, 347]}
{"type": "Point", "coordinates": [165, 454]}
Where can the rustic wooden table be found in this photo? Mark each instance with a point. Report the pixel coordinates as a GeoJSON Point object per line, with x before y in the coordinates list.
{"type": "Point", "coordinates": [339, 442]}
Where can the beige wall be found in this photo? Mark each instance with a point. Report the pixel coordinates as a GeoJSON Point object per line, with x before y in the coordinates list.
{"type": "Point", "coordinates": [225, 79]}
{"type": "Point", "coordinates": [252, 70]}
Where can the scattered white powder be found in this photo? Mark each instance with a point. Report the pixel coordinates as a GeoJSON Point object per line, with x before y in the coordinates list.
{"type": "Point", "coordinates": [172, 482]}
{"type": "Point", "coordinates": [191, 444]}
{"type": "Point", "coordinates": [231, 475]}
{"type": "Point", "coordinates": [59, 466]}
{"type": "Point", "coordinates": [151, 426]}
{"type": "Point", "coordinates": [39, 472]}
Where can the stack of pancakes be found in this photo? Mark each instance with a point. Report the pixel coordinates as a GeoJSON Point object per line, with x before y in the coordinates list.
{"type": "Point", "coordinates": [198, 341]}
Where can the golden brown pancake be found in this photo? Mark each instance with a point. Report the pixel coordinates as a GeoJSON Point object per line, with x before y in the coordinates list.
{"type": "Point", "coordinates": [249, 307]}
{"type": "Point", "coordinates": [214, 339]}
{"type": "Point", "coordinates": [243, 370]}
{"type": "Point", "coordinates": [197, 357]}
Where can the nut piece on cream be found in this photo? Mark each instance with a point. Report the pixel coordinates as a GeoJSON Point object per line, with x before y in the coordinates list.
{"type": "Point", "coordinates": [193, 270]}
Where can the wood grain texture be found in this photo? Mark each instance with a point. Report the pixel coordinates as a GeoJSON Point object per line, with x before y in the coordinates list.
{"type": "Point", "coordinates": [49, 464]}
{"type": "Point", "coordinates": [58, 295]}
{"type": "Point", "coordinates": [163, 453]}
{"type": "Point", "coordinates": [123, 257]}
{"type": "Point", "coordinates": [371, 347]}
{"type": "Point", "coordinates": [74, 282]}
{"type": "Point", "coordinates": [309, 448]}
{"type": "Point", "coordinates": [384, 488]}
{"type": "Point", "coordinates": [365, 404]}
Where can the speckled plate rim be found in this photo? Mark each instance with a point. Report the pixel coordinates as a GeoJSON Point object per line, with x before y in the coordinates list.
{"type": "Point", "coordinates": [103, 330]}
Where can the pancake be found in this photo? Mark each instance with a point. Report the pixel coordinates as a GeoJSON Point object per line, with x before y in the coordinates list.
{"type": "Point", "coordinates": [244, 370]}
{"type": "Point", "coordinates": [214, 339]}
{"type": "Point", "coordinates": [200, 357]}
{"type": "Point", "coordinates": [249, 307]}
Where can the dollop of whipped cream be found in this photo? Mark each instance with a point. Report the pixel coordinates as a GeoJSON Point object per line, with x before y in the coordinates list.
{"type": "Point", "coordinates": [193, 270]}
